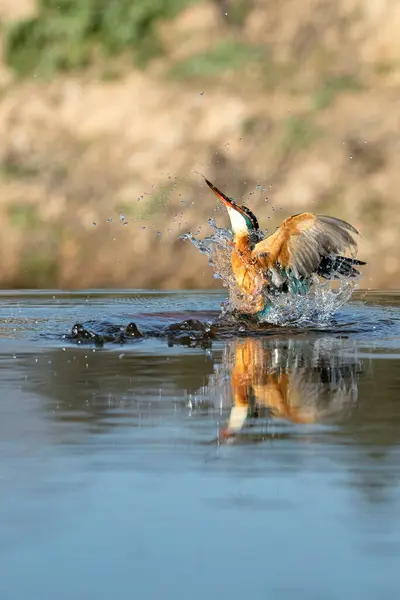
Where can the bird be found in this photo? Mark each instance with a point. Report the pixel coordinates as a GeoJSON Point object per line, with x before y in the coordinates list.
{"type": "Point", "coordinates": [304, 246]}
{"type": "Point", "coordinates": [266, 375]}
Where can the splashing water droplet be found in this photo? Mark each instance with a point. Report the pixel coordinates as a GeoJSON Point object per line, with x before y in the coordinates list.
{"type": "Point", "coordinates": [316, 307]}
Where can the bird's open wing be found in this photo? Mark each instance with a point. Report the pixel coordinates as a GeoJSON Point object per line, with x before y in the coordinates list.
{"type": "Point", "coordinates": [301, 242]}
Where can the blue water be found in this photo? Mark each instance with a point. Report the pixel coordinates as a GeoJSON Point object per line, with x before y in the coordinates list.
{"type": "Point", "coordinates": [115, 481]}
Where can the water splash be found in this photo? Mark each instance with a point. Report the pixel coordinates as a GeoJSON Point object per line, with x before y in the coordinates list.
{"type": "Point", "coordinates": [218, 247]}
{"type": "Point", "coordinates": [316, 307]}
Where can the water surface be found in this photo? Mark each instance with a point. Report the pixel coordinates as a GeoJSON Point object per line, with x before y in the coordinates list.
{"type": "Point", "coordinates": [265, 466]}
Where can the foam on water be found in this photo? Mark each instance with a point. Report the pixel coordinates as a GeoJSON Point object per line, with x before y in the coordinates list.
{"type": "Point", "coordinates": [313, 308]}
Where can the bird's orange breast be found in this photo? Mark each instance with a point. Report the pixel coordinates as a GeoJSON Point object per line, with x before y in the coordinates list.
{"type": "Point", "coordinates": [246, 271]}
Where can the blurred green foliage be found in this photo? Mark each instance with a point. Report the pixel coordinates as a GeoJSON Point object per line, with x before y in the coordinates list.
{"type": "Point", "coordinates": [226, 54]}
{"type": "Point", "coordinates": [71, 34]}
{"type": "Point", "coordinates": [40, 268]}
{"type": "Point", "coordinates": [11, 167]}
{"type": "Point", "coordinates": [238, 11]}
{"type": "Point", "coordinates": [23, 215]}
{"type": "Point", "coordinates": [144, 208]}
{"type": "Point", "coordinates": [300, 133]}
{"type": "Point", "coordinates": [331, 87]}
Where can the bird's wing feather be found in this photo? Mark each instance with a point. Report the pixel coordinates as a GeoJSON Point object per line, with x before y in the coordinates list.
{"type": "Point", "coordinates": [300, 242]}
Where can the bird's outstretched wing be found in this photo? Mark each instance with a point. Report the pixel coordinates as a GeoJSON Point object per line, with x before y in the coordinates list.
{"type": "Point", "coordinates": [302, 243]}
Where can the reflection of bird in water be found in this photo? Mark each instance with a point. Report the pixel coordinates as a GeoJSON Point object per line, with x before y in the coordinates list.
{"type": "Point", "coordinates": [301, 382]}
{"type": "Point", "coordinates": [304, 246]}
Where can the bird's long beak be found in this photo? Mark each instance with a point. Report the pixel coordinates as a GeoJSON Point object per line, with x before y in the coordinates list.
{"type": "Point", "coordinates": [227, 201]}
{"type": "Point", "coordinates": [239, 218]}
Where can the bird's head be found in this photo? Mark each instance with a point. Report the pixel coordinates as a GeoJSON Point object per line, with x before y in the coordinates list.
{"type": "Point", "coordinates": [242, 219]}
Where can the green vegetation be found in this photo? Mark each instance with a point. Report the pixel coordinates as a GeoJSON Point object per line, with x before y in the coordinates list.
{"type": "Point", "coordinates": [300, 133]}
{"type": "Point", "coordinates": [71, 34]}
{"type": "Point", "coordinates": [12, 167]}
{"type": "Point", "coordinates": [226, 54]}
{"type": "Point", "coordinates": [39, 269]}
{"type": "Point", "coordinates": [23, 215]}
{"type": "Point", "coordinates": [238, 11]}
{"type": "Point", "coordinates": [143, 208]}
{"type": "Point", "coordinates": [384, 67]}
{"type": "Point", "coordinates": [331, 87]}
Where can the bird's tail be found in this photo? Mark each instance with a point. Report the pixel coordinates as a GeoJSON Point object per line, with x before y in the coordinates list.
{"type": "Point", "coordinates": [335, 267]}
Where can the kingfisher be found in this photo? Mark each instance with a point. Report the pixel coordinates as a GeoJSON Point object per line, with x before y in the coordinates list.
{"type": "Point", "coordinates": [304, 245]}
{"type": "Point", "coordinates": [265, 376]}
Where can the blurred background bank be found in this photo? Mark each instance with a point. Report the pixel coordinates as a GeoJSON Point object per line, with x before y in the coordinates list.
{"type": "Point", "coordinates": [107, 107]}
